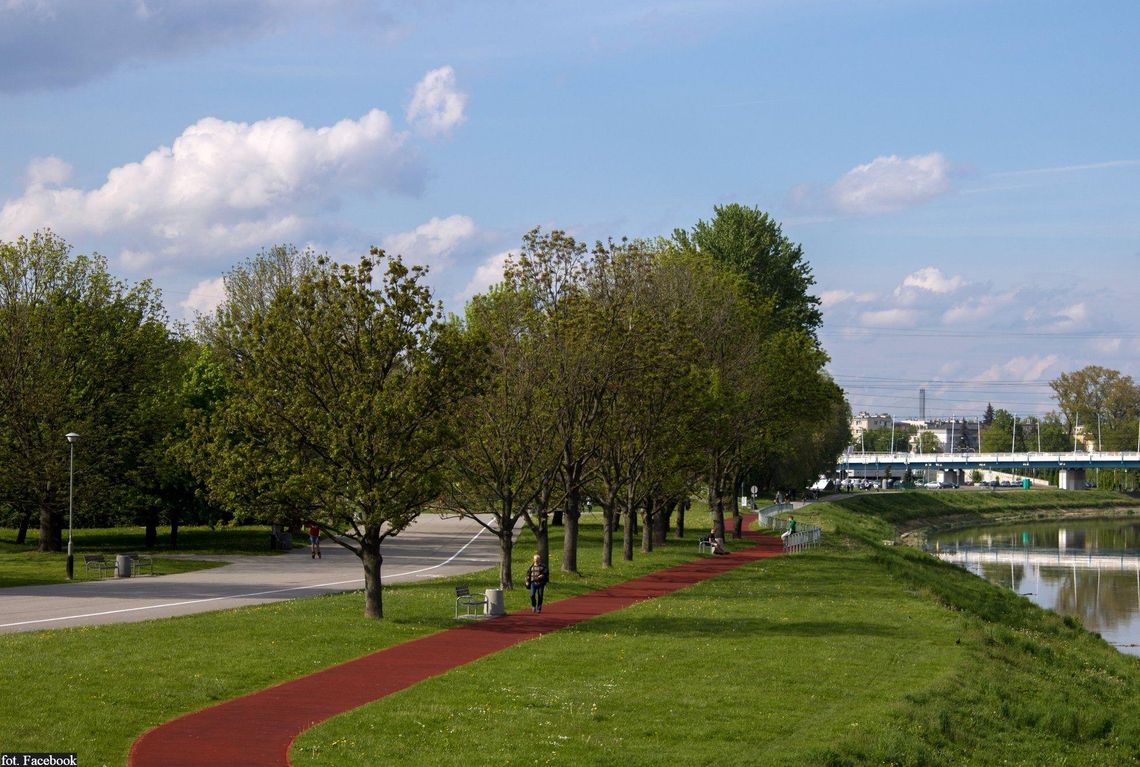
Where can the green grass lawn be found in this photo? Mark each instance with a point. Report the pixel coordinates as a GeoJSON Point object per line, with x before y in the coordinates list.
{"type": "Point", "coordinates": [853, 653]}
{"type": "Point", "coordinates": [22, 565]}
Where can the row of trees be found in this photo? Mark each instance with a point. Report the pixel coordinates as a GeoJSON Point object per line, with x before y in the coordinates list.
{"type": "Point", "coordinates": [628, 375]}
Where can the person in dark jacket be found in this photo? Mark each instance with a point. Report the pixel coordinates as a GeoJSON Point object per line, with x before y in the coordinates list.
{"type": "Point", "coordinates": [536, 577]}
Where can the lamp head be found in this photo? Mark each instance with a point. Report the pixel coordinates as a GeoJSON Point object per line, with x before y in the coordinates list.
{"type": "Point", "coordinates": [71, 436]}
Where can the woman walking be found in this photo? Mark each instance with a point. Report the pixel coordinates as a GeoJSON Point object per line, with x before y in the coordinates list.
{"type": "Point", "coordinates": [536, 577]}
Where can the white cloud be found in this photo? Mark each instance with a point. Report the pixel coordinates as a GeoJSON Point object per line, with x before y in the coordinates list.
{"type": "Point", "coordinates": [433, 242]}
{"type": "Point", "coordinates": [925, 282]}
{"type": "Point", "coordinates": [978, 308]}
{"type": "Point", "coordinates": [489, 273]}
{"type": "Point", "coordinates": [437, 105]}
{"type": "Point", "coordinates": [220, 188]}
{"type": "Point", "coordinates": [205, 296]}
{"type": "Point", "coordinates": [46, 171]}
{"type": "Point", "coordinates": [832, 298]}
{"type": "Point", "coordinates": [890, 318]}
{"type": "Point", "coordinates": [888, 183]}
{"type": "Point", "coordinates": [1020, 369]}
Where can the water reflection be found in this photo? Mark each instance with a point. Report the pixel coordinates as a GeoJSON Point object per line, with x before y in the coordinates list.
{"type": "Point", "coordinates": [1089, 569]}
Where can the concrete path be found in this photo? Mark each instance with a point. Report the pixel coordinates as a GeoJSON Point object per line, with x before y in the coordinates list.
{"type": "Point", "coordinates": [432, 547]}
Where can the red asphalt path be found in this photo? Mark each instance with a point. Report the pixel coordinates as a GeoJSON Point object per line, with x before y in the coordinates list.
{"type": "Point", "coordinates": [256, 730]}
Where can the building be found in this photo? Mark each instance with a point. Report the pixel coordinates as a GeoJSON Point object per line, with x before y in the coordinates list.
{"type": "Point", "coordinates": [865, 422]}
{"type": "Point", "coordinates": [954, 435]}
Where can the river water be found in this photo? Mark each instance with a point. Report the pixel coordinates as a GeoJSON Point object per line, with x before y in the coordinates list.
{"type": "Point", "coordinates": [1088, 568]}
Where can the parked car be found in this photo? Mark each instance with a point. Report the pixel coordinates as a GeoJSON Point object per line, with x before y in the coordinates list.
{"type": "Point", "coordinates": [932, 485]}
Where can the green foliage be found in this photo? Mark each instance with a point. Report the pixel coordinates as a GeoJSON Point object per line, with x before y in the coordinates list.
{"type": "Point", "coordinates": [83, 353]}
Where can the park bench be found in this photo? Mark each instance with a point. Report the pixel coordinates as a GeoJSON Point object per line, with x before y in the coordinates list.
{"type": "Point", "coordinates": [96, 562]}
{"type": "Point", "coordinates": [705, 545]}
{"type": "Point", "coordinates": [140, 561]}
{"type": "Point", "coordinates": [470, 603]}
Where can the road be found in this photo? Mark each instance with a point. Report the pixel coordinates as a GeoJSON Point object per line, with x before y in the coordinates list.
{"type": "Point", "coordinates": [430, 548]}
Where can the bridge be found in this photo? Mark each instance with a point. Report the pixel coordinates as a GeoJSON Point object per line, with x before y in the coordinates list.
{"type": "Point", "coordinates": [953, 467]}
{"type": "Point", "coordinates": [1125, 561]}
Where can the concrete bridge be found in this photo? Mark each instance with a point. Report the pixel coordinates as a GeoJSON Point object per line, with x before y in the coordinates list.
{"type": "Point", "coordinates": [1124, 561]}
{"type": "Point", "coordinates": [954, 467]}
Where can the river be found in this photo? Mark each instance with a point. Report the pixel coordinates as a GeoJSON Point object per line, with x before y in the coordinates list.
{"type": "Point", "coordinates": [1086, 568]}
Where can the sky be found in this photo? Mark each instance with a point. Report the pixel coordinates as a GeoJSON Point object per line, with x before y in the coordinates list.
{"type": "Point", "coordinates": [963, 176]}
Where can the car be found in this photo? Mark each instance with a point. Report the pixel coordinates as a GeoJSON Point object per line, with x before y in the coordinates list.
{"type": "Point", "coordinates": [932, 485]}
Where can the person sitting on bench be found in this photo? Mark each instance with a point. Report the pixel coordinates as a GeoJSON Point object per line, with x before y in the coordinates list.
{"type": "Point", "coordinates": [716, 543]}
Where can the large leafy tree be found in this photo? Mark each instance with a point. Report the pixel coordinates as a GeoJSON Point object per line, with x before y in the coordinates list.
{"type": "Point", "coordinates": [507, 460]}
{"type": "Point", "coordinates": [1100, 399]}
{"type": "Point", "coordinates": [753, 244]}
{"type": "Point", "coordinates": [83, 352]}
{"type": "Point", "coordinates": [342, 395]}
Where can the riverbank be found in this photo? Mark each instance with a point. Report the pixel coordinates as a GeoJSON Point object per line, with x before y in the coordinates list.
{"type": "Point", "coordinates": [915, 514]}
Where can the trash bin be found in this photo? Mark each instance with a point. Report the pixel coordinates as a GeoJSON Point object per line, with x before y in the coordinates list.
{"type": "Point", "coordinates": [123, 565]}
{"type": "Point", "coordinates": [1025, 483]}
{"type": "Point", "coordinates": [495, 602]}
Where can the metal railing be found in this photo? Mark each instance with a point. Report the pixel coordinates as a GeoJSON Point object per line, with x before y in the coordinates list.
{"type": "Point", "coordinates": [805, 536]}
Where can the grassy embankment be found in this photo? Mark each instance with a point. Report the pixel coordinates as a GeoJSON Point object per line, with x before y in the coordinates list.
{"type": "Point", "coordinates": [854, 653]}
{"type": "Point", "coordinates": [22, 565]}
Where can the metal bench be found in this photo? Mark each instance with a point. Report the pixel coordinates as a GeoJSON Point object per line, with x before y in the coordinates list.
{"type": "Point", "coordinates": [470, 604]}
{"type": "Point", "coordinates": [98, 563]}
{"type": "Point", "coordinates": [141, 561]}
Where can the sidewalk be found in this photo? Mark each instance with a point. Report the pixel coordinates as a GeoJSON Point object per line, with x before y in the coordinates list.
{"type": "Point", "coordinates": [257, 730]}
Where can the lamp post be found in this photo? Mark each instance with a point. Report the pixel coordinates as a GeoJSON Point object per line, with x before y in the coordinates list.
{"type": "Point", "coordinates": [71, 437]}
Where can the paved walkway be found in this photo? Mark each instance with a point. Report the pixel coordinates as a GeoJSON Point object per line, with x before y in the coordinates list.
{"type": "Point", "coordinates": [257, 730]}
{"type": "Point", "coordinates": [431, 547]}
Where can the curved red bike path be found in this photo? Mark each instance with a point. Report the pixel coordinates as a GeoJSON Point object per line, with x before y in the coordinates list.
{"type": "Point", "coordinates": [256, 730]}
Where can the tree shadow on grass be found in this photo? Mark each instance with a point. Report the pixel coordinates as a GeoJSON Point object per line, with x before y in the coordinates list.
{"type": "Point", "coordinates": [720, 627]}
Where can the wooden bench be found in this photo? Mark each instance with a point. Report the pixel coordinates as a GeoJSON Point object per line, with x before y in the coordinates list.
{"type": "Point", "coordinates": [98, 563]}
{"type": "Point", "coordinates": [470, 604]}
{"type": "Point", "coordinates": [139, 562]}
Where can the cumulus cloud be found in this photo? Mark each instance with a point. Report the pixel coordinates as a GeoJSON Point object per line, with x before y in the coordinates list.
{"type": "Point", "coordinates": [1020, 369]}
{"type": "Point", "coordinates": [488, 273]}
{"type": "Point", "coordinates": [832, 298]}
{"type": "Point", "coordinates": [59, 43]}
{"type": "Point", "coordinates": [437, 105]}
{"type": "Point", "coordinates": [220, 187]}
{"type": "Point", "coordinates": [205, 296]}
{"type": "Point", "coordinates": [890, 318]}
{"type": "Point", "coordinates": [885, 184]}
{"type": "Point", "coordinates": [434, 242]}
{"type": "Point", "coordinates": [891, 183]}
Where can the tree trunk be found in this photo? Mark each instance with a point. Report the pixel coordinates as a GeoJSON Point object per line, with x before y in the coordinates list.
{"type": "Point", "coordinates": [506, 551]}
{"type": "Point", "coordinates": [608, 535]}
{"type": "Point", "coordinates": [151, 530]}
{"type": "Point", "coordinates": [542, 540]}
{"type": "Point", "coordinates": [22, 530]}
{"type": "Point", "coordinates": [661, 522]}
{"type": "Point", "coordinates": [647, 528]}
{"type": "Point", "coordinates": [372, 559]}
{"type": "Point", "coordinates": [628, 523]}
{"type": "Point", "coordinates": [716, 501]}
{"type": "Point", "coordinates": [570, 537]}
{"type": "Point", "coordinates": [173, 529]}
{"type": "Point", "coordinates": [50, 534]}
{"type": "Point", "coordinates": [737, 520]}
{"type": "Point", "coordinates": [682, 507]}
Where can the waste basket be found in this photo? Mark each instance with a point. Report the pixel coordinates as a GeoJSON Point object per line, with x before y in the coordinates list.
{"type": "Point", "coordinates": [495, 602]}
{"type": "Point", "coordinates": [123, 565]}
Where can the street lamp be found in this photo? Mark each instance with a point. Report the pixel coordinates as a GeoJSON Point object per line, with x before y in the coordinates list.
{"type": "Point", "coordinates": [71, 437]}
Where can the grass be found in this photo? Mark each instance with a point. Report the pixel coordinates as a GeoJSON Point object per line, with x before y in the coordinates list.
{"type": "Point", "coordinates": [853, 653]}
{"type": "Point", "coordinates": [22, 565]}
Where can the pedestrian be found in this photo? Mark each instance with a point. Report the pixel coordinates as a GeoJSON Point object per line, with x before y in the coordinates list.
{"type": "Point", "coordinates": [314, 540]}
{"type": "Point", "coordinates": [536, 577]}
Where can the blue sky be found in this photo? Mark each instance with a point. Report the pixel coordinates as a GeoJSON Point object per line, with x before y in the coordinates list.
{"type": "Point", "coordinates": [964, 176]}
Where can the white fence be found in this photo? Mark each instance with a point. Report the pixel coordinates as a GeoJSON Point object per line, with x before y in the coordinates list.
{"type": "Point", "coordinates": [804, 537]}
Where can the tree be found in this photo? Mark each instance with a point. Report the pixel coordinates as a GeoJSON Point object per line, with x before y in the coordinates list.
{"type": "Point", "coordinates": [928, 443]}
{"type": "Point", "coordinates": [83, 353]}
{"type": "Point", "coordinates": [753, 245]}
{"type": "Point", "coordinates": [1100, 398]}
{"type": "Point", "coordinates": [343, 396]}
{"type": "Point", "coordinates": [988, 417]}
{"type": "Point", "coordinates": [506, 457]}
